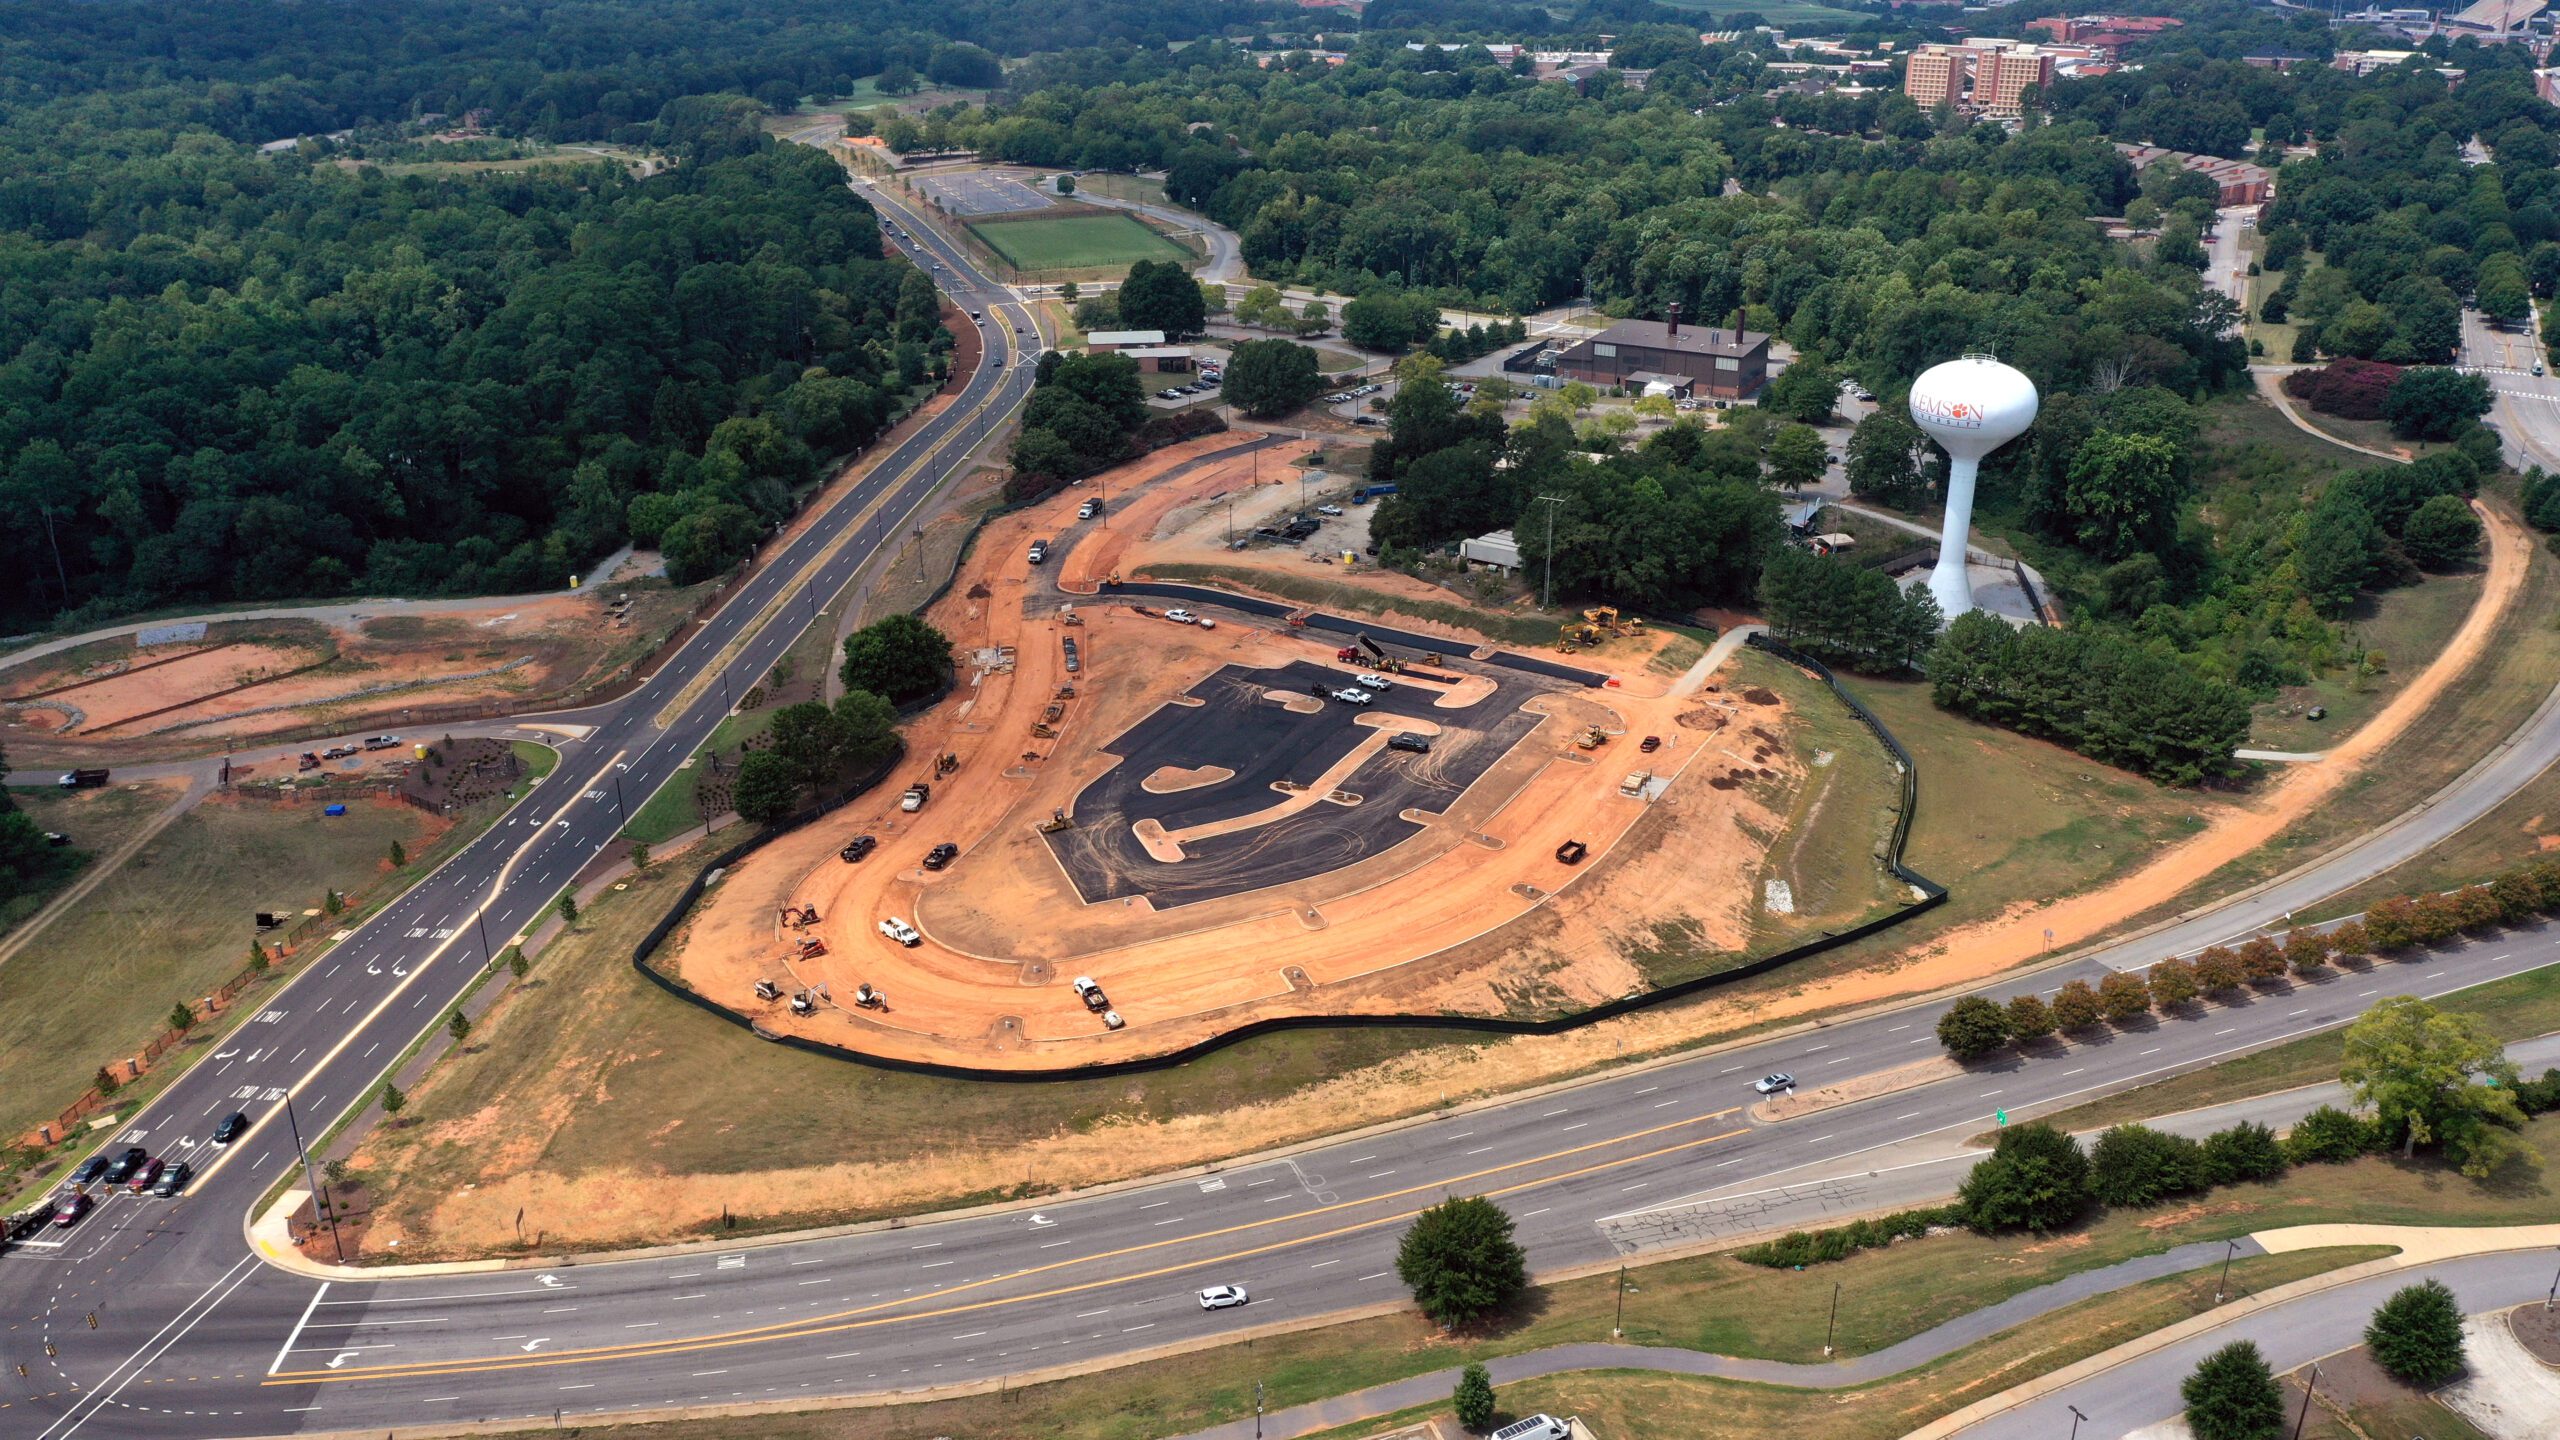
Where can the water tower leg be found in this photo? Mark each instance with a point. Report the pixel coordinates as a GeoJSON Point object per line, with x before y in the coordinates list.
{"type": "Point", "coordinates": [1949, 582]}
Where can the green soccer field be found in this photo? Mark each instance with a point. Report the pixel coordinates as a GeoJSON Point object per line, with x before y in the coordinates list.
{"type": "Point", "coordinates": [1075, 241]}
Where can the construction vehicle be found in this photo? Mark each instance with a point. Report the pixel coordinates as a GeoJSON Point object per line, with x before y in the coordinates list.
{"type": "Point", "coordinates": [1056, 822]}
{"type": "Point", "coordinates": [1112, 582]}
{"type": "Point", "coordinates": [801, 1004]}
{"type": "Point", "coordinates": [944, 764]}
{"type": "Point", "coordinates": [916, 795]}
{"type": "Point", "coordinates": [1592, 737]}
{"type": "Point", "coordinates": [82, 779]}
{"type": "Point", "coordinates": [1572, 851]}
{"type": "Point", "coordinates": [767, 990]}
{"type": "Point", "coordinates": [1066, 692]}
{"type": "Point", "coordinates": [1350, 655]}
{"type": "Point", "coordinates": [1039, 731]}
{"type": "Point", "coordinates": [1577, 635]}
{"type": "Point", "coordinates": [811, 947]}
{"type": "Point", "coordinates": [799, 916]}
{"type": "Point", "coordinates": [868, 998]}
{"type": "Point", "coordinates": [1633, 785]}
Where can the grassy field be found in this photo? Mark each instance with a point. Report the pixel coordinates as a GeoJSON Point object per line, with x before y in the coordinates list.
{"type": "Point", "coordinates": [1713, 1302]}
{"type": "Point", "coordinates": [2407, 626]}
{"type": "Point", "coordinates": [2476, 711]}
{"type": "Point", "coordinates": [2511, 1009]}
{"type": "Point", "coordinates": [1841, 816]}
{"type": "Point", "coordinates": [172, 924]}
{"type": "Point", "coordinates": [599, 154]}
{"type": "Point", "coordinates": [1071, 242]}
{"type": "Point", "coordinates": [96, 820]}
{"type": "Point", "coordinates": [1786, 13]}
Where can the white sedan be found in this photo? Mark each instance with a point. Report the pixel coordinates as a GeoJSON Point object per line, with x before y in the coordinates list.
{"type": "Point", "coordinates": [1221, 1297]}
{"type": "Point", "coordinates": [900, 931]}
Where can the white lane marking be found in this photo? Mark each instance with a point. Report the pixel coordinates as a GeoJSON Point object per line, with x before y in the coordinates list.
{"type": "Point", "coordinates": [296, 1332]}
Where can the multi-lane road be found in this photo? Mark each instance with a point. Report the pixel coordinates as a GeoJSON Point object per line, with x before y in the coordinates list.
{"type": "Point", "coordinates": [162, 1276]}
{"type": "Point", "coordinates": [156, 1318]}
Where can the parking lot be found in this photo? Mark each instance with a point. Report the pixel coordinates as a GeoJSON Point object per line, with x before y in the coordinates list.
{"type": "Point", "coordinates": [981, 194]}
{"type": "Point", "coordinates": [1244, 749]}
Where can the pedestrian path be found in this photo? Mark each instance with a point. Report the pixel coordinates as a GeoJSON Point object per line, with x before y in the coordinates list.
{"type": "Point", "coordinates": [1920, 1349]}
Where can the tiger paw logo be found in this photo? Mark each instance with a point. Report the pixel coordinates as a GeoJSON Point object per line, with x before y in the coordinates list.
{"type": "Point", "coordinates": [1934, 410]}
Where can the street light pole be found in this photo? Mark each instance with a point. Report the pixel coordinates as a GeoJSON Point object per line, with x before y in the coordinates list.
{"type": "Point", "coordinates": [1619, 1328]}
{"type": "Point", "coordinates": [1553, 503]}
{"type": "Point", "coordinates": [1832, 1332]}
{"type": "Point", "coordinates": [2304, 1416]}
{"type": "Point", "coordinates": [2076, 1418]}
{"type": "Point", "coordinates": [2223, 1285]}
{"type": "Point", "coordinates": [319, 1199]}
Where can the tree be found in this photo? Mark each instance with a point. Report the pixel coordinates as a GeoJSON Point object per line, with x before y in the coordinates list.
{"type": "Point", "coordinates": [2328, 1136]}
{"type": "Point", "coordinates": [1161, 295]}
{"type": "Point", "coordinates": [2217, 971]}
{"type": "Point", "coordinates": [1797, 457]}
{"type": "Point", "coordinates": [182, 1017]}
{"type": "Point", "coordinates": [639, 854]}
{"type": "Point", "coordinates": [2305, 950]}
{"type": "Point", "coordinates": [2124, 996]}
{"type": "Point", "coordinates": [2430, 402]}
{"type": "Point", "coordinates": [2333, 555]}
{"type": "Point", "coordinates": [2076, 1006]}
{"type": "Point", "coordinates": [2417, 1334]}
{"type": "Point", "coordinates": [1884, 461]}
{"type": "Point", "coordinates": [258, 958]}
{"type": "Point", "coordinates": [768, 785]}
{"type": "Point", "coordinates": [1972, 1028]}
{"type": "Point", "coordinates": [1474, 1400]}
{"type": "Point", "coordinates": [399, 857]}
{"type": "Point", "coordinates": [2035, 1178]}
{"type": "Point", "coordinates": [1268, 378]}
{"type": "Point", "coordinates": [1807, 390]}
{"type": "Point", "coordinates": [2173, 983]}
{"type": "Point", "coordinates": [393, 1102]}
{"type": "Point", "coordinates": [898, 658]}
{"type": "Point", "coordinates": [568, 907]}
{"type": "Point", "coordinates": [1460, 1261]}
{"type": "Point", "coordinates": [2029, 1018]}
{"type": "Point", "coordinates": [458, 1025]}
{"type": "Point", "coordinates": [2135, 1166]}
{"type": "Point", "coordinates": [517, 961]}
{"type": "Point", "coordinates": [2246, 1151]}
{"type": "Point", "coordinates": [2233, 1396]}
{"type": "Point", "coordinates": [2123, 493]}
{"type": "Point", "coordinates": [1067, 186]}
{"type": "Point", "coordinates": [2442, 533]}
{"type": "Point", "coordinates": [2435, 1077]}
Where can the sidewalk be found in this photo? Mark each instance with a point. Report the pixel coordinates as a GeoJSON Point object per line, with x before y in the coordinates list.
{"type": "Point", "coordinates": [2419, 1246]}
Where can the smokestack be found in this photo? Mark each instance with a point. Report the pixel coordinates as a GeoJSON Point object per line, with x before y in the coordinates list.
{"type": "Point", "coordinates": [1673, 325]}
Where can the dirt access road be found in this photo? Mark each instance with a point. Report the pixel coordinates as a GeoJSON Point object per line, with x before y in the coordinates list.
{"type": "Point", "coordinates": [1398, 925]}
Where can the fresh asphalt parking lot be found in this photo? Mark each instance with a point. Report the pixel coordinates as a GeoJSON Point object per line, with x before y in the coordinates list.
{"type": "Point", "coordinates": [1237, 727]}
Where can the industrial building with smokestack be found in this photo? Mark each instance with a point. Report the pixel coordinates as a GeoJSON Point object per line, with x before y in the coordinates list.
{"type": "Point", "coordinates": [1666, 357]}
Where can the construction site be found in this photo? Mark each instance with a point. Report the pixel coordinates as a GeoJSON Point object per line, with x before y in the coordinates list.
{"type": "Point", "coordinates": [1151, 813]}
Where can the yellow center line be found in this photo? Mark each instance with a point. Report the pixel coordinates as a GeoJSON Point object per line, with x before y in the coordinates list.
{"type": "Point", "coordinates": [854, 1319]}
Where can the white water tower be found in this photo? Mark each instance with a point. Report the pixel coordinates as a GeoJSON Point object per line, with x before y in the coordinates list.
{"type": "Point", "coordinates": [1971, 407]}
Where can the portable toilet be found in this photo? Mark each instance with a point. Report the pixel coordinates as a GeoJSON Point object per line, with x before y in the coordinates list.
{"type": "Point", "coordinates": [334, 810]}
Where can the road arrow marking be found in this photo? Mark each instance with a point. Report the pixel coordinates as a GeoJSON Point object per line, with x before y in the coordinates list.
{"type": "Point", "coordinates": [549, 1282]}
{"type": "Point", "coordinates": [341, 1358]}
{"type": "Point", "coordinates": [538, 1341]}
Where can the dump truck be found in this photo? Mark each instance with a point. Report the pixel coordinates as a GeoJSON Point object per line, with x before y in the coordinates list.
{"type": "Point", "coordinates": [82, 779]}
{"type": "Point", "coordinates": [1572, 851]}
{"type": "Point", "coordinates": [1635, 782]}
{"type": "Point", "coordinates": [916, 795]}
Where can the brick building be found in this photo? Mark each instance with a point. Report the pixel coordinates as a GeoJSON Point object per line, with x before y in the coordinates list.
{"type": "Point", "coordinates": [1723, 364]}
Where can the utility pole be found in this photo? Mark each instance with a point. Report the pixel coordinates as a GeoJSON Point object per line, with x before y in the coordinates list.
{"type": "Point", "coordinates": [319, 1198]}
{"type": "Point", "coordinates": [1553, 504]}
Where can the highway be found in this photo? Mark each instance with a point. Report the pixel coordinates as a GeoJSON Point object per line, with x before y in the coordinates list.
{"type": "Point", "coordinates": [154, 1319]}
{"type": "Point", "coordinates": [153, 1272]}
